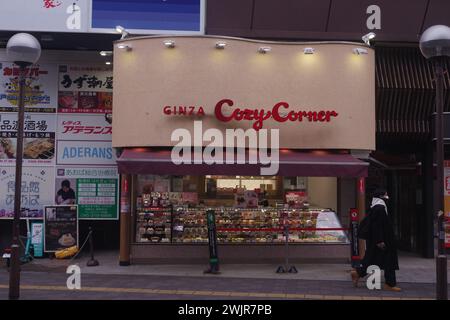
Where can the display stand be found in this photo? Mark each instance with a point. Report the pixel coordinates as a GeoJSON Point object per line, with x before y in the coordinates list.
{"type": "Point", "coordinates": [286, 267]}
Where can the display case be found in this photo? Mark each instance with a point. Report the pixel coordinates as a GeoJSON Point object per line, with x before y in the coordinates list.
{"type": "Point", "coordinates": [183, 225]}
{"type": "Point", "coordinates": [153, 218]}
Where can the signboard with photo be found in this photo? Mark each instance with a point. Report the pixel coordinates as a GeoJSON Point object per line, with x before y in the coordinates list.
{"type": "Point", "coordinates": [61, 227]}
{"type": "Point", "coordinates": [37, 191]}
{"type": "Point", "coordinates": [39, 139]}
{"type": "Point", "coordinates": [85, 89]}
{"type": "Point", "coordinates": [40, 88]}
{"type": "Point", "coordinates": [94, 190]}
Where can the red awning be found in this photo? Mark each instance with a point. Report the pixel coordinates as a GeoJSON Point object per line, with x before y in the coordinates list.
{"type": "Point", "coordinates": [291, 163]}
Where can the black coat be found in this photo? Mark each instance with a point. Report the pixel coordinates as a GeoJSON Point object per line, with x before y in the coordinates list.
{"type": "Point", "coordinates": [381, 230]}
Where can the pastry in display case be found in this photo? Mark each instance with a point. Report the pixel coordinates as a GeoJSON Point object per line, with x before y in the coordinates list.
{"type": "Point", "coordinates": [237, 225]}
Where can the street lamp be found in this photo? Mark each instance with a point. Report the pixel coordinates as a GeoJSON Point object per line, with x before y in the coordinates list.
{"type": "Point", "coordinates": [24, 50]}
{"type": "Point", "coordinates": [435, 45]}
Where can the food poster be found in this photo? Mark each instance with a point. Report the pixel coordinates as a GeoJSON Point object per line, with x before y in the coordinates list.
{"type": "Point", "coordinates": [94, 190]}
{"type": "Point", "coordinates": [37, 191]}
{"type": "Point", "coordinates": [60, 227]}
{"type": "Point", "coordinates": [38, 143]}
{"type": "Point", "coordinates": [85, 89]}
{"type": "Point", "coordinates": [296, 199]}
{"type": "Point", "coordinates": [41, 91]}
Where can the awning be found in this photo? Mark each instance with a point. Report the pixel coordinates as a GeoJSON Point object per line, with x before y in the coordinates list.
{"type": "Point", "coordinates": [290, 163]}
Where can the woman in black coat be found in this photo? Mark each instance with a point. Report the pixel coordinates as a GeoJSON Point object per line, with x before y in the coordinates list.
{"type": "Point", "coordinates": [381, 249]}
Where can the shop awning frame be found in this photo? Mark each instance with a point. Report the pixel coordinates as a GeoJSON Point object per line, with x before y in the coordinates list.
{"type": "Point", "coordinates": [291, 163]}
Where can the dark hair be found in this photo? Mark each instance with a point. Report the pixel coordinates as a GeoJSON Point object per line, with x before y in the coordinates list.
{"type": "Point", "coordinates": [65, 183]}
{"type": "Point", "coordinates": [379, 192]}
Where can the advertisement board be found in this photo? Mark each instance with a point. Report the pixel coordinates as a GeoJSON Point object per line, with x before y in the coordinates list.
{"type": "Point", "coordinates": [39, 139]}
{"type": "Point", "coordinates": [37, 191]}
{"type": "Point", "coordinates": [40, 89]}
{"type": "Point", "coordinates": [60, 227]}
{"type": "Point", "coordinates": [94, 190]}
{"type": "Point", "coordinates": [83, 127]}
{"type": "Point", "coordinates": [85, 153]}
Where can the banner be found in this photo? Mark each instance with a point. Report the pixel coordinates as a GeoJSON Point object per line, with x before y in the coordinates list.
{"type": "Point", "coordinates": [94, 190]}
{"type": "Point", "coordinates": [85, 89]}
{"type": "Point", "coordinates": [61, 227]}
{"type": "Point", "coordinates": [37, 238]}
{"type": "Point", "coordinates": [39, 139]}
{"type": "Point", "coordinates": [85, 153]}
{"type": "Point", "coordinates": [83, 127]}
{"type": "Point", "coordinates": [40, 88]}
{"type": "Point", "coordinates": [37, 191]}
{"type": "Point", "coordinates": [447, 202]}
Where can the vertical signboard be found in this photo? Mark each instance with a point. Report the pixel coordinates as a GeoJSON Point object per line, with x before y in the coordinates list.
{"type": "Point", "coordinates": [447, 202]}
{"type": "Point", "coordinates": [37, 238]}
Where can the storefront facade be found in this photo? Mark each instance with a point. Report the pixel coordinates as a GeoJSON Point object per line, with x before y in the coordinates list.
{"type": "Point", "coordinates": [316, 109]}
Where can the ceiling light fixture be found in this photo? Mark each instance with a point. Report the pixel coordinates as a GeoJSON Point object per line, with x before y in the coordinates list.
{"type": "Point", "coordinates": [106, 53]}
{"type": "Point", "coordinates": [308, 51]}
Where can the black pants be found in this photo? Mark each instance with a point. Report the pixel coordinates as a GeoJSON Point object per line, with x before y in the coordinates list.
{"type": "Point", "coordinates": [389, 275]}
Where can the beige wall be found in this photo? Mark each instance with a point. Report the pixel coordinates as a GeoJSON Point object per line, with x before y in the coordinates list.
{"type": "Point", "coordinates": [322, 192]}
{"type": "Point", "coordinates": [151, 76]}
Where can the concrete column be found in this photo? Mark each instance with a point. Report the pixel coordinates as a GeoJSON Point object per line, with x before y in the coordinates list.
{"type": "Point", "coordinates": [125, 219]}
{"type": "Point", "coordinates": [361, 206]}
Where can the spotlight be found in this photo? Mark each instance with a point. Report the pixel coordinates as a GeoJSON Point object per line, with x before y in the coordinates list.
{"type": "Point", "coordinates": [264, 50]}
{"type": "Point", "coordinates": [367, 37]}
{"type": "Point", "coordinates": [122, 31]}
{"type": "Point", "coordinates": [221, 45]}
{"type": "Point", "coordinates": [308, 51]}
{"type": "Point", "coordinates": [169, 43]}
{"type": "Point", "coordinates": [359, 51]}
{"type": "Point", "coordinates": [108, 63]}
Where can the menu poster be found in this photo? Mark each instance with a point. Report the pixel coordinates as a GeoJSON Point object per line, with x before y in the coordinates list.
{"type": "Point", "coordinates": [296, 199]}
{"type": "Point", "coordinates": [251, 199]}
{"type": "Point", "coordinates": [40, 88]}
{"type": "Point", "coordinates": [60, 227]}
{"type": "Point", "coordinates": [39, 139]}
{"type": "Point", "coordinates": [190, 197]}
{"type": "Point", "coordinates": [85, 89]}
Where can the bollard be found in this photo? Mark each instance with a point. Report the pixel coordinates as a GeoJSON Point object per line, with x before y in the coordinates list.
{"type": "Point", "coordinates": [92, 262]}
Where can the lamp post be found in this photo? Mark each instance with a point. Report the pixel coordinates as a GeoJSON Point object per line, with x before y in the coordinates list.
{"type": "Point", "coordinates": [435, 44]}
{"type": "Point", "coordinates": [24, 50]}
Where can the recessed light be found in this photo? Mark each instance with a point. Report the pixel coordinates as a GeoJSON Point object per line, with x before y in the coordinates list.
{"type": "Point", "coordinates": [169, 43]}
{"type": "Point", "coordinates": [108, 62]}
{"type": "Point", "coordinates": [308, 50]}
{"type": "Point", "coordinates": [105, 53]}
{"type": "Point", "coordinates": [221, 45]}
{"type": "Point", "coordinates": [359, 51]}
{"type": "Point", "coordinates": [264, 49]}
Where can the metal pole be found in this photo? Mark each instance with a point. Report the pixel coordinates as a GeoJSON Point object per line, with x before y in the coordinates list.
{"type": "Point", "coordinates": [14, 276]}
{"type": "Point", "coordinates": [441, 260]}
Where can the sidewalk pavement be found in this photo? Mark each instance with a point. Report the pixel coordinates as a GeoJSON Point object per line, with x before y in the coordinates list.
{"type": "Point", "coordinates": [46, 279]}
{"type": "Point", "coordinates": [413, 269]}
